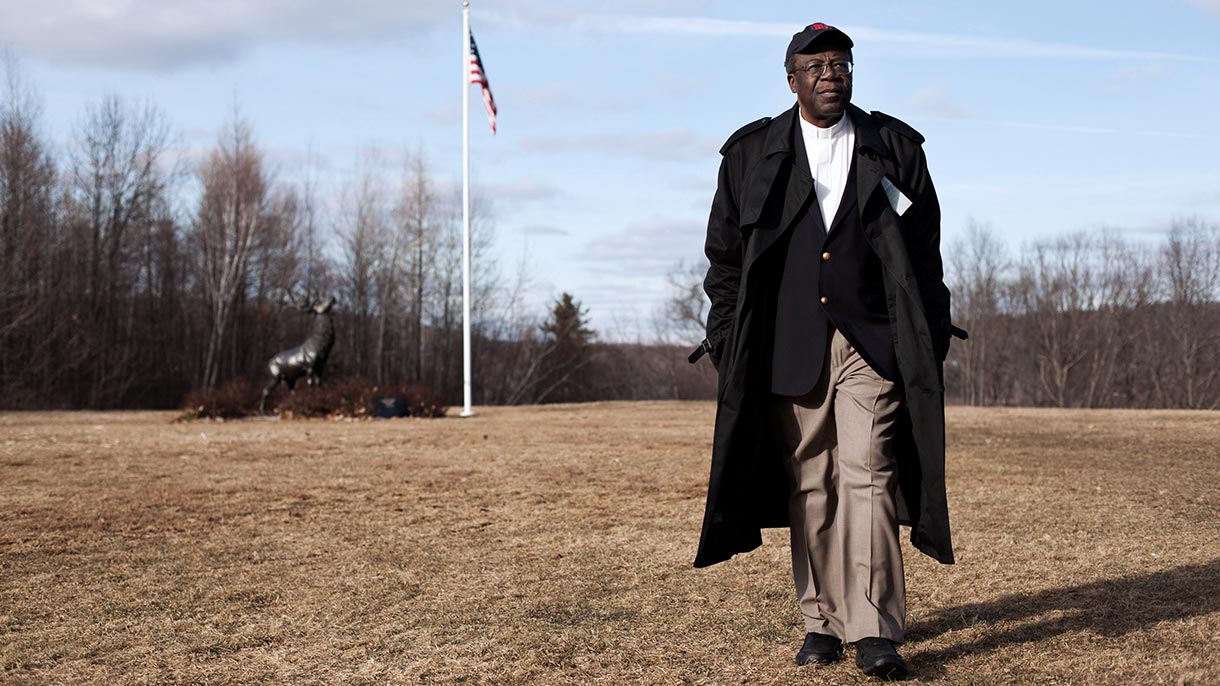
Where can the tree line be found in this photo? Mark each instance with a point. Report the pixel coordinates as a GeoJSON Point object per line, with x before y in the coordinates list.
{"type": "Point", "coordinates": [1089, 319]}
{"type": "Point", "coordinates": [130, 274]}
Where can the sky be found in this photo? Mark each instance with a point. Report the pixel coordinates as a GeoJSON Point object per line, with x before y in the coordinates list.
{"type": "Point", "coordinates": [1041, 118]}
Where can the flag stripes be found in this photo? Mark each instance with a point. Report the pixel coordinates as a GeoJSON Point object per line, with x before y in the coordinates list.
{"type": "Point", "coordinates": [479, 75]}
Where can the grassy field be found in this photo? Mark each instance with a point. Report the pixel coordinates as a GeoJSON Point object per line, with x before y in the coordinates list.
{"type": "Point", "coordinates": [552, 545]}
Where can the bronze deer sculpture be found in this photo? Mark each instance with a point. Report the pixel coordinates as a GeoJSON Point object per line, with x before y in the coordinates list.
{"type": "Point", "coordinates": [307, 359]}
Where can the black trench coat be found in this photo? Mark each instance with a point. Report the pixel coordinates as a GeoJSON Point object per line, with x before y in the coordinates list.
{"type": "Point", "coordinates": [758, 197]}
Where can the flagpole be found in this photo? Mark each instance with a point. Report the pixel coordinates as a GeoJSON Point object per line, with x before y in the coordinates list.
{"type": "Point", "coordinates": [466, 384]}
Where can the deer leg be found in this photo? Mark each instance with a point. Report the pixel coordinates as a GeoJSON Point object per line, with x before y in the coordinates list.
{"type": "Point", "coordinates": [262, 404]}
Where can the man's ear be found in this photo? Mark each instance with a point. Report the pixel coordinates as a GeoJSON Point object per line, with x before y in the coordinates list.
{"type": "Point", "coordinates": [792, 82]}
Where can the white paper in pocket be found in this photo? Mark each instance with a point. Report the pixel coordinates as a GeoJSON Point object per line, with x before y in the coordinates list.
{"type": "Point", "coordinates": [898, 201]}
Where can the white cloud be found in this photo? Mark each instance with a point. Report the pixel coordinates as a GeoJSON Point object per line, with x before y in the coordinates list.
{"type": "Point", "coordinates": [544, 230]}
{"type": "Point", "coordinates": [913, 42]}
{"type": "Point", "coordinates": [524, 189]}
{"type": "Point", "coordinates": [1072, 128]}
{"type": "Point", "coordinates": [1150, 133]}
{"type": "Point", "coordinates": [447, 112]}
{"type": "Point", "coordinates": [1135, 76]}
{"type": "Point", "coordinates": [298, 160]}
{"type": "Point", "coordinates": [158, 34]}
{"type": "Point", "coordinates": [937, 103]}
{"type": "Point", "coordinates": [544, 94]}
{"type": "Point", "coordinates": [1020, 48]}
{"type": "Point", "coordinates": [1210, 6]}
{"type": "Point", "coordinates": [697, 26]}
{"type": "Point", "coordinates": [678, 86]}
{"type": "Point", "coordinates": [668, 145]}
{"type": "Point", "coordinates": [702, 184]}
{"type": "Point", "coordinates": [647, 248]}
{"type": "Point", "coordinates": [1204, 198]}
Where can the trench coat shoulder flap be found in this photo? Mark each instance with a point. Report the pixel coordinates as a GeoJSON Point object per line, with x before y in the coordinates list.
{"type": "Point", "coordinates": [768, 155]}
{"type": "Point", "coordinates": [774, 188]}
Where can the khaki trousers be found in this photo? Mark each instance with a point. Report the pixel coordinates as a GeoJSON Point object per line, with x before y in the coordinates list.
{"type": "Point", "coordinates": [846, 558]}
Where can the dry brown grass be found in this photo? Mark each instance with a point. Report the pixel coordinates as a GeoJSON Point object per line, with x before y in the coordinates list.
{"type": "Point", "coordinates": [552, 545]}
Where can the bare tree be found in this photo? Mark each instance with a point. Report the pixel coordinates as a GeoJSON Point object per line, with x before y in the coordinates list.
{"type": "Point", "coordinates": [682, 318]}
{"type": "Point", "coordinates": [978, 265]}
{"type": "Point", "coordinates": [363, 233]}
{"type": "Point", "coordinates": [1053, 288]}
{"type": "Point", "coordinates": [420, 220]}
{"type": "Point", "coordinates": [28, 268]}
{"type": "Point", "coordinates": [505, 338]}
{"type": "Point", "coordinates": [443, 302]}
{"type": "Point", "coordinates": [1121, 288]}
{"type": "Point", "coordinates": [315, 274]}
{"type": "Point", "coordinates": [26, 174]}
{"type": "Point", "coordinates": [119, 182]}
{"type": "Point", "coordinates": [1189, 363]}
{"type": "Point", "coordinates": [237, 208]}
{"type": "Point", "coordinates": [555, 374]}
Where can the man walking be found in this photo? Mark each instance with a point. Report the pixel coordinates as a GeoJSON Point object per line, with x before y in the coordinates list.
{"type": "Point", "coordinates": [828, 328]}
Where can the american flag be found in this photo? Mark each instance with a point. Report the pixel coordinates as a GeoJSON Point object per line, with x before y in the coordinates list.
{"type": "Point", "coordinates": [479, 76]}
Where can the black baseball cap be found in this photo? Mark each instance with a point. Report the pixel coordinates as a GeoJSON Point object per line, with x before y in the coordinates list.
{"type": "Point", "coordinates": [806, 38]}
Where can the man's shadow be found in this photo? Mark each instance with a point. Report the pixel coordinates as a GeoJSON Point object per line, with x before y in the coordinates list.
{"type": "Point", "coordinates": [1110, 608]}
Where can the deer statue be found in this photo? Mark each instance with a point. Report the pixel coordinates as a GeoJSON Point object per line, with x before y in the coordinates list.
{"type": "Point", "coordinates": [309, 358]}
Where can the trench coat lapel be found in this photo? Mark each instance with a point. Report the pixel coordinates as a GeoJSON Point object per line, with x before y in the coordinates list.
{"type": "Point", "coordinates": [800, 181]}
{"type": "Point", "coordinates": [881, 225]}
{"type": "Point", "coordinates": [870, 151]}
{"type": "Point", "coordinates": [776, 176]}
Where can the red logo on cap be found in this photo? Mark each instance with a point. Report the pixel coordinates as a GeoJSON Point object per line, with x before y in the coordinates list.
{"type": "Point", "coordinates": [819, 26]}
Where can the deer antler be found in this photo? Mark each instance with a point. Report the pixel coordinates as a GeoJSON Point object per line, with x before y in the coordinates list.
{"type": "Point", "coordinates": [292, 299]}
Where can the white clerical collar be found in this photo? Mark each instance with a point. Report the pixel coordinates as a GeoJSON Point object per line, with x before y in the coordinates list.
{"type": "Point", "coordinates": [836, 130]}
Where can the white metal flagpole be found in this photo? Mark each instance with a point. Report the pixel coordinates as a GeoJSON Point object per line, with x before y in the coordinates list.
{"type": "Point", "coordinates": [466, 384]}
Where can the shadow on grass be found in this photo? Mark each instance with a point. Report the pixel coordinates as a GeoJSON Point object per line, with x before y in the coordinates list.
{"type": "Point", "coordinates": [1109, 608]}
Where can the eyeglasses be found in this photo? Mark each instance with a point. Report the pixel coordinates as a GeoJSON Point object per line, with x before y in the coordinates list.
{"type": "Point", "coordinates": [818, 69]}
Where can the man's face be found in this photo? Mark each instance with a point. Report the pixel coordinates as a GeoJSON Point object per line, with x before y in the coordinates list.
{"type": "Point", "coordinates": [823, 96]}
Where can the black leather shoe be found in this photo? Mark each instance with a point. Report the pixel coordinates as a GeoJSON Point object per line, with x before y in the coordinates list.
{"type": "Point", "coordinates": [877, 657]}
{"type": "Point", "coordinates": [819, 649]}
